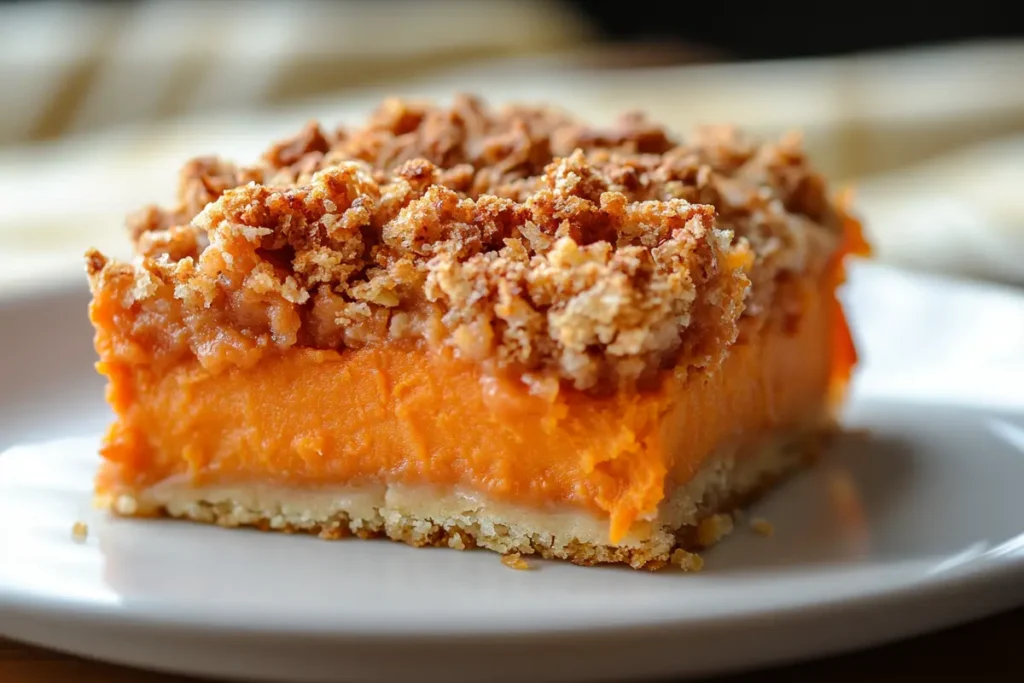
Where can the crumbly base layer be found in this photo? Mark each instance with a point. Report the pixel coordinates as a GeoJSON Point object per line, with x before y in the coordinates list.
{"type": "Point", "coordinates": [692, 518]}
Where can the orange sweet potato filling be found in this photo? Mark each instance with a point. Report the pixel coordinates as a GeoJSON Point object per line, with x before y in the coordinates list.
{"type": "Point", "coordinates": [403, 413]}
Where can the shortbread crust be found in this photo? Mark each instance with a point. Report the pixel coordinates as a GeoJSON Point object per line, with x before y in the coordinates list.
{"type": "Point", "coordinates": [686, 520]}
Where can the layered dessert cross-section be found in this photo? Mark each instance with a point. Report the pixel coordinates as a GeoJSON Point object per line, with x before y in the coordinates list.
{"type": "Point", "coordinates": [472, 327]}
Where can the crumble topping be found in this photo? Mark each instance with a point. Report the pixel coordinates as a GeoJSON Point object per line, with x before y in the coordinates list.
{"type": "Point", "coordinates": [519, 237]}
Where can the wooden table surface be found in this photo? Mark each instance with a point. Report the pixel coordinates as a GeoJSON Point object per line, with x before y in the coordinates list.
{"type": "Point", "coordinates": [988, 650]}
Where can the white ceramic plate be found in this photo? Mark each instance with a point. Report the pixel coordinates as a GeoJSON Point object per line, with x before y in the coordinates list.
{"type": "Point", "coordinates": [939, 537]}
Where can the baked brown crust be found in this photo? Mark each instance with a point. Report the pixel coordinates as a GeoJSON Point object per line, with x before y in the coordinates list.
{"type": "Point", "coordinates": [743, 481]}
{"type": "Point", "coordinates": [520, 238]}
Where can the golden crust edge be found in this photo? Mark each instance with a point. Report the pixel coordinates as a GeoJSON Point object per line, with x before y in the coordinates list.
{"type": "Point", "coordinates": [693, 518]}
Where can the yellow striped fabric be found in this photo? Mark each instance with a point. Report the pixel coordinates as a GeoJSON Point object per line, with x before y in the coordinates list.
{"type": "Point", "coordinates": [74, 67]}
{"type": "Point", "coordinates": [102, 103]}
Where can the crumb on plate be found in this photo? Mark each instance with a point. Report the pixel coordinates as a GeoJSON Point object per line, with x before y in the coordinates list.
{"type": "Point", "coordinates": [514, 561]}
{"type": "Point", "coordinates": [713, 529]}
{"type": "Point", "coordinates": [687, 561]}
{"type": "Point", "coordinates": [762, 527]}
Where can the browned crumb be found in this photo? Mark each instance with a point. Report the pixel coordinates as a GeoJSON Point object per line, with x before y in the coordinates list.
{"type": "Point", "coordinates": [514, 561]}
{"type": "Point", "coordinates": [762, 526]}
{"type": "Point", "coordinates": [79, 531]}
{"type": "Point", "coordinates": [687, 561]}
{"type": "Point", "coordinates": [713, 529]}
{"type": "Point", "coordinates": [521, 237]}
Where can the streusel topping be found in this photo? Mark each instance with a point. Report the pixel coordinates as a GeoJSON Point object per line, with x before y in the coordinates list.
{"type": "Point", "coordinates": [519, 238]}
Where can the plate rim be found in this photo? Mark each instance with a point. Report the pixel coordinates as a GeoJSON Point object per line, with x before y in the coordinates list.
{"type": "Point", "coordinates": [984, 574]}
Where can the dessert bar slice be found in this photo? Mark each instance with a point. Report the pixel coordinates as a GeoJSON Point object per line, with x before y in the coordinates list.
{"type": "Point", "coordinates": [467, 327]}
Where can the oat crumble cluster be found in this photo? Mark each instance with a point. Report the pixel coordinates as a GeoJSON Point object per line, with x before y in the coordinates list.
{"type": "Point", "coordinates": [520, 237]}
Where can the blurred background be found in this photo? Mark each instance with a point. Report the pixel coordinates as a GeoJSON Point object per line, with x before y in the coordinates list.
{"type": "Point", "coordinates": [919, 105]}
